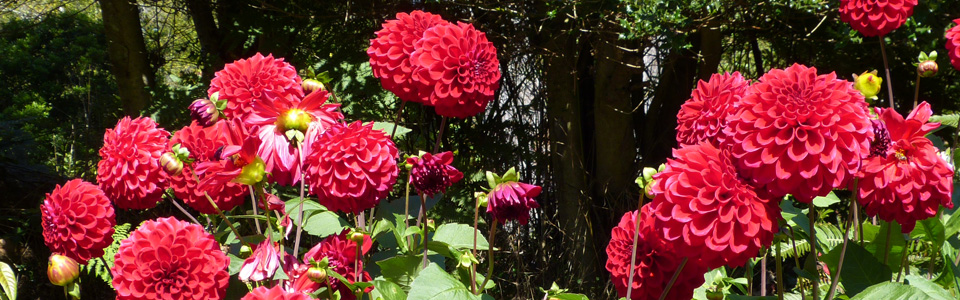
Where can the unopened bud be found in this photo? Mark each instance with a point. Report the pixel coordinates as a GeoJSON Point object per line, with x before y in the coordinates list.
{"type": "Point", "coordinates": [294, 119]}
{"type": "Point", "coordinates": [171, 164]}
{"type": "Point", "coordinates": [868, 84]}
{"type": "Point", "coordinates": [356, 237]}
{"type": "Point", "coordinates": [928, 68]}
{"type": "Point", "coordinates": [317, 274]}
{"type": "Point", "coordinates": [648, 190]}
{"type": "Point", "coordinates": [432, 225]}
{"type": "Point", "coordinates": [62, 270]}
{"type": "Point", "coordinates": [204, 111]}
{"type": "Point", "coordinates": [252, 173]}
{"type": "Point", "coordinates": [311, 85]}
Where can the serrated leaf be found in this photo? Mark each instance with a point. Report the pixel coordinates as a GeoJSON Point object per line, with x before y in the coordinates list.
{"type": "Point", "coordinates": [435, 284]}
{"type": "Point", "coordinates": [8, 280]}
{"type": "Point", "coordinates": [460, 236]}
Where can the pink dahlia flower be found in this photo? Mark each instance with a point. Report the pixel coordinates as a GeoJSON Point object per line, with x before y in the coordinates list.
{"type": "Point", "coordinates": [246, 81]}
{"type": "Point", "coordinates": [275, 293]}
{"type": "Point", "coordinates": [953, 44]}
{"type": "Point", "coordinates": [262, 264]}
{"type": "Point", "coordinates": [203, 144]}
{"type": "Point", "coordinates": [129, 171]}
{"type": "Point", "coordinates": [512, 201]}
{"type": "Point", "coordinates": [77, 220]}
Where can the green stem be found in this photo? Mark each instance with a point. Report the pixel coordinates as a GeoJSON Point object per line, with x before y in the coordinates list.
{"type": "Point", "coordinates": [443, 124]}
{"type": "Point", "coordinates": [886, 247]}
{"type": "Point", "coordinates": [229, 224]}
{"type": "Point", "coordinates": [633, 253]}
{"type": "Point", "coordinates": [843, 250]}
{"type": "Point", "coordinates": [255, 212]}
{"type": "Point", "coordinates": [796, 261]}
{"type": "Point", "coordinates": [779, 274]}
{"type": "Point", "coordinates": [493, 232]}
{"type": "Point", "coordinates": [903, 260]}
{"type": "Point", "coordinates": [813, 251]}
{"type": "Point", "coordinates": [476, 232]}
{"type": "Point", "coordinates": [396, 119]}
{"type": "Point", "coordinates": [916, 92]}
{"type": "Point", "coordinates": [425, 228]}
{"type": "Point", "coordinates": [296, 243]}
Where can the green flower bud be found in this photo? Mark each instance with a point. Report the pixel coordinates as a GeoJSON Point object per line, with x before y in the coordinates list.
{"type": "Point", "coordinates": [62, 270]}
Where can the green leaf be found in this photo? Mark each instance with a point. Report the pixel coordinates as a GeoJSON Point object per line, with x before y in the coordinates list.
{"type": "Point", "coordinates": [946, 120]}
{"type": "Point", "coordinates": [380, 227]}
{"type": "Point", "coordinates": [895, 291]}
{"type": "Point", "coordinates": [387, 127]}
{"type": "Point", "coordinates": [572, 296]}
{"type": "Point", "coordinates": [435, 284]}
{"type": "Point", "coordinates": [861, 270]}
{"type": "Point", "coordinates": [510, 175]}
{"type": "Point", "coordinates": [444, 249]}
{"type": "Point", "coordinates": [879, 247]}
{"type": "Point", "coordinates": [742, 297]}
{"type": "Point", "coordinates": [933, 290]}
{"type": "Point", "coordinates": [401, 269]}
{"type": "Point", "coordinates": [386, 290]}
{"type": "Point", "coordinates": [932, 230]}
{"type": "Point", "coordinates": [324, 223]}
{"type": "Point", "coordinates": [953, 225]}
{"type": "Point", "coordinates": [235, 264]}
{"type": "Point", "coordinates": [460, 236]}
{"type": "Point", "coordinates": [827, 200]}
{"type": "Point", "coordinates": [8, 280]}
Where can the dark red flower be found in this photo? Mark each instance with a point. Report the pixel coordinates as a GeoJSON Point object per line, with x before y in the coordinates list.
{"type": "Point", "coordinates": [655, 262]}
{"type": "Point", "coordinates": [78, 220]}
{"type": "Point", "coordinates": [433, 174]}
{"type": "Point", "coordinates": [275, 293]}
{"type": "Point", "coordinates": [351, 167]}
{"type": "Point", "coordinates": [203, 143]}
{"type": "Point", "coordinates": [876, 17]}
{"type": "Point", "coordinates": [457, 69]}
{"type": "Point", "coordinates": [341, 253]}
{"type": "Point", "coordinates": [247, 81]}
{"type": "Point", "coordinates": [170, 259]}
{"type": "Point", "coordinates": [907, 182]}
{"type": "Point", "coordinates": [390, 52]}
{"type": "Point", "coordinates": [129, 171]}
{"type": "Point", "coordinates": [704, 115]}
{"type": "Point", "coordinates": [274, 118]}
{"type": "Point", "coordinates": [512, 201]}
{"type": "Point", "coordinates": [953, 44]}
{"type": "Point", "coordinates": [796, 132]}
{"type": "Point", "coordinates": [204, 112]}
{"type": "Point", "coordinates": [706, 212]}
{"type": "Point", "coordinates": [237, 164]}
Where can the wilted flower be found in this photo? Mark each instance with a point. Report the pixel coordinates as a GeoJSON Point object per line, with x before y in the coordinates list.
{"type": "Point", "coordinates": [432, 174]}
{"type": "Point", "coordinates": [876, 17]}
{"type": "Point", "coordinates": [77, 220]}
{"type": "Point", "coordinates": [129, 171]}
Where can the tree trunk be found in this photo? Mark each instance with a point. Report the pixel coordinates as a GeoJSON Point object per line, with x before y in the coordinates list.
{"type": "Point", "coordinates": [615, 143]}
{"type": "Point", "coordinates": [210, 42]}
{"type": "Point", "coordinates": [676, 80]}
{"type": "Point", "coordinates": [128, 54]}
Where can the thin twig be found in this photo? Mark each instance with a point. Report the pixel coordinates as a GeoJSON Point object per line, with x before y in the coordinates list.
{"type": "Point", "coordinates": [396, 119]}
{"type": "Point", "coordinates": [443, 124]}
{"type": "Point", "coordinates": [633, 254]}
{"type": "Point", "coordinates": [230, 224]}
{"type": "Point", "coordinates": [666, 290]}
{"type": "Point", "coordinates": [916, 92]}
{"type": "Point", "coordinates": [425, 228]}
{"type": "Point", "coordinates": [886, 68]}
{"type": "Point", "coordinates": [184, 211]}
{"type": "Point", "coordinates": [255, 212]}
{"type": "Point", "coordinates": [796, 261]}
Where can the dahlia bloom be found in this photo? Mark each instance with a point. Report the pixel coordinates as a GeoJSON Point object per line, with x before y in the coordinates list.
{"type": "Point", "coordinates": [275, 117]}
{"type": "Point", "coordinates": [77, 220]}
{"type": "Point", "coordinates": [129, 171]}
{"type": "Point", "coordinates": [512, 201]}
{"type": "Point", "coordinates": [246, 81]}
{"type": "Point", "coordinates": [876, 17]}
{"type": "Point", "coordinates": [237, 164]}
{"type": "Point", "coordinates": [704, 115]}
{"type": "Point", "coordinates": [351, 167]}
{"type": "Point", "coordinates": [170, 259]}
{"type": "Point", "coordinates": [433, 174]}
{"type": "Point", "coordinates": [906, 181]}
{"type": "Point", "coordinates": [203, 143]}
{"type": "Point", "coordinates": [390, 52]}
{"type": "Point", "coordinates": [457, 69]}
{"type": "Point", "coordinates": [706, 212]}
{"type": "Point", "coordinates": [275, 293]}
{"type": "Point", "coordinates": [796, 132]}
{"type": "Point", "coordinates": [655, 264]}
{"type": "Point", "coordinates": [341, 253]}
{"type": "Point", "coordinates": [953, 44]}
{"type": "Point", "coordinates": [204, 111]}
{"type": "Point", "coordinates": [262, 264]}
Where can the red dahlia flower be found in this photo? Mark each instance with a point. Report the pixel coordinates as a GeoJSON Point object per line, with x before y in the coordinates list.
{"type": "Point", "coordinates": [512, 201]}
{"type": "Point", "coordinates": [876, 17]}
{"type": "Point", "coordinates": [170, 259]}
{"type": "Point", "coordinates": [390, 52]}
{"type": "Point", "coordinates": [351, 167]}
{"type": "Point", "coordinates": [457, 69]}
{"type": "Point", "coordinates": [953, 44]}
{"type": "Point", "coordinates": [341, 253]}
{"type": "Point", "coordinates": [247, 81]}
{"type": "Point", "coordinates": [706, 212]}
{"type": "Point", "coordinates": [203, 143]}
{"type": "Point", "coordinates": [275, 293]}
{"type": "Point", "coordinates": [308, 118]}
{"type": "Point", "coordinates": [432, 174]}
{"type": "Point", "coordinates": [704, 115]}
{"type": "Point", "coordinates": [799, 133]}
{"type": "Point", "coordinates": [129, 170]}
{"type": "Point", "coordinates": [655, 264]}
{"type": "Point", "coordinates": [237, 164]}
{"type": "Point", "coordinates": [908, 181]}
{"type": "Point", "coordinates": [262, 264]}
{"type": "Point", "coordinates": [78, 220]}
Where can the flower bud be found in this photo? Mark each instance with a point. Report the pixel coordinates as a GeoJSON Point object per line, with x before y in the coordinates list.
{"type": "Point", "coordinates": [868, 84]}
{"type": "Point", "coordinates": [204, 111]}
{"type": "Point", "coordinates": [928, 68]}
{"type": "Point", "coordinates": [245, 251]}
{"type": "Point", "coordinates": [356, 237]}
{"type": "Point", "coordinates": [62, 270]}
{"type": "Point", "coordinates": [432, 225]}
{"type": "Point", "coordinates": [171, 164]}
{"type": "Point", "coordinates": [311, 85]}
{"type": "Point", "coordinates": [714, 295]}
{"type": "Point", "coordinates": [317, 274]}
{"type": "Point", "coordinates": [294, 119]}
{"type": "Point", "coordinates": [648, 189]}
{"type": "Point", "coordinates": [251, 173]}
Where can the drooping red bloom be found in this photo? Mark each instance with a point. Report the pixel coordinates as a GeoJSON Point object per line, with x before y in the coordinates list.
{"type": "Point", "coordinates": [262, 264]}
{"type": "Point", "coordinates": [512, 201]}
{"type": "Point", "coordinates": [310, 116]}
{"type": "Point", "coordinates": [249, 80]}
{"type": "Point", "coordinates": [953, 44]}
{"type": "Point", "coordinates": [876, 17]}
{"type": "Point", "coordinates": [170, 259]}
{"type": "Point", "coordinates": [704, 115]}
{"type": "Point", "coordinates": [129, 171]}
{"type": "Point", "coordinates": [237, 164]}
{"type": "Point", "coordinates": [907, 182]}
{"type": "Point", "coordinates": [799, 133]}
{"type": "Point", "coordinates": [390, 52]}
{"type": "Point", "coordinates": [457, 69]}
{"type": "Point", "coordinates": [78, 220]}
{"type": "Point", "coordinates": [341, 252]}
{"type": "Point", "coordinates": [275, 293]}
{"type": "Point", "coordinates": [351, 167]}
{"type": "Point", "coordinates": [203, 143]}
{"type": "Point", "coordinates": [655, 262]}
{"type": "Point", "coordinates": [706, 212]}
{"type": "Point", "coordinates": [432, 174]}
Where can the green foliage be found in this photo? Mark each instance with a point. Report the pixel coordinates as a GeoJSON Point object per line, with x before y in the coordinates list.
{"type": "Point", "coordinates": [100, 267]}
{"type": "Point", "coordinates": [918, 288]}
{"type": "Point", "coordinates": [8, 281]}
{"type": "Point", "coordinates": [460, 236]}
{"type": "Point", "coordinates": [434, 284]}
{"type": "Point", "coordinates": [318, 221]}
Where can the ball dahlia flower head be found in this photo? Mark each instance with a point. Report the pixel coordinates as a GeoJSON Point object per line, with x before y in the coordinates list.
{"type": "Point", "coordinates": [704, 115]}
{"type": "Point", "coordinates": [246, 81]}
{"type": "Point", "coordinates": [203, 144]}
{"type": "Point", "coordinates": [904, 179]}
{"type": "Point", "coordinates": [129, 171]}
{"type": "Point", "coordinates": [77, 220]}
{"type": "Point", "coordinates": [876, 17]}
{"type": "Point", "coordinates": [390, 52]}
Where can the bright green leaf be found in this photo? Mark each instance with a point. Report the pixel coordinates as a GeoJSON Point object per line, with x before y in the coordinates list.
{"type": "Point", "coordinates": [434, 283]}
{"type": "Point", "coordinates": [401, 269]}
{"type": "Point", "coordinates": [386, 290]}
{"type": "Point", "coordinates": [8, 280]}
{"type": "Point", "coordinates": [460, 236]}
{"type": "Point", "coordinates": [861, 269]}
{"type": "Point", "coordinates": [930, 229]}
{"type": "Point", "coordinates": [324, 223]}
{"type": "Point", "coordinates": [895, 291]}
{"type": "Point", "coordinates": [387, 127]}
{"type": "Point", "coordinates": [827, 200]}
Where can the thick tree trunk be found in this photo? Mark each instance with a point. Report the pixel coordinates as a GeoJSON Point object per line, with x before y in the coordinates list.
{"type": "Point", "coordinates": [128, 54]}
{"type": "Point", "coordinates": [210, 42]}
{"type": "Point", "coordinates": [615, 143]}
{"type": "Point", "coordinates": [677, 78]}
